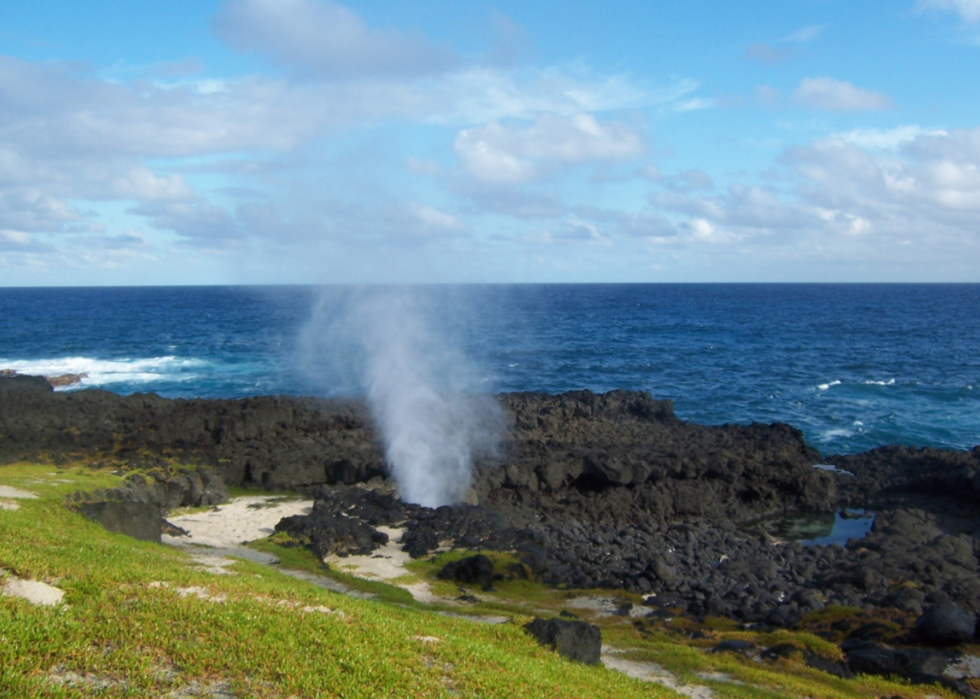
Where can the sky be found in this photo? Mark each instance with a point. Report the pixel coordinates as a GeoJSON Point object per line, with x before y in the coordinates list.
{"type": "Point", "coordinates": [374, 141]}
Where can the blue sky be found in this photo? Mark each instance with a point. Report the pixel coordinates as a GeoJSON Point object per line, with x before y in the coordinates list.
{"type": "Point", "coordinates": [309, 141]}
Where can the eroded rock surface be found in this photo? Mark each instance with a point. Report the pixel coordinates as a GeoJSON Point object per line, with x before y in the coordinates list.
{"type": "Point", "coordinates": [590, 490]}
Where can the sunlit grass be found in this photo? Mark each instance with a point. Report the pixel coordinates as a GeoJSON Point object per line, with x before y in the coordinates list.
{"type": "Point", "coordinates": [140, 620]}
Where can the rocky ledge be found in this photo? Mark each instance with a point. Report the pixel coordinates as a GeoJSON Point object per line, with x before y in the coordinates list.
{"type": "Point", "coordinates": [589, 490]}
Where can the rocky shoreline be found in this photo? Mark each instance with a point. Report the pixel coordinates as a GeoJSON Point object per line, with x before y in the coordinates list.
{"type": "Point", "coordinates": [610, 491]}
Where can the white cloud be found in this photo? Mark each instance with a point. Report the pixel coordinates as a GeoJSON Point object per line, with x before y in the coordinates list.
{"type": "Point", "coordinates": [691, 105]}
{"type": "Point", "coordinates": [969, 10]}
{"type": "Point", "coordinates": [199, 222]}
{"type": "Point", "coordinates": [433, 219]}
{"type": "Point", "coordinates": [498, 153]}
{"type": "Point", "coordinates": [34, 211]}
{"type": "Point", "coordinates": [805, 35]}
{"type": "Point", "coordinates": [15, 237]}
{"type": "Point", "coordinates": [838, 96]}
{"type": "Point", "coordinates": [325, 38]}
{"type": "Point", "coordinates": [752, 208]}
{"type": "Point", "coordinates": [849, 203]}
{"type": "Point", "coordinates": [581, 232]}
{"type": "Point", "coordinates": [141, 184]}
{"type": "Point", "coordinates": [891, 139]}
{"type": "Point", "coordinates": [478, 95]}
{"type": "Point", "coordinates": [935, 181]}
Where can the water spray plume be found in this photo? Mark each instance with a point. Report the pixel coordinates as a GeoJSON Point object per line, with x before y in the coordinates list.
{"type": "Point", "coordinates": [419, 387]}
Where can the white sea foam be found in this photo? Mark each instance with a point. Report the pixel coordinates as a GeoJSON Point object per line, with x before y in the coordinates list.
{"type": "Point", "coordinates": [104, 372]}
{"type": "Point", "coordinates": [889, 382]}
{"type": "Point", "coordinates": [825, 386]}
{"type": "Point", "coordinates": [830, 435]}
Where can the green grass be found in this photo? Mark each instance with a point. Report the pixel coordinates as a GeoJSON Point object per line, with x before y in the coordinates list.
{"type": "Point", "coordinates": [139, 620]}
{"type": "Point", "coordinates": [126, 626]}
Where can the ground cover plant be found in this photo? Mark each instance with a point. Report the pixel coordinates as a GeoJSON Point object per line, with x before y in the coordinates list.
{"type": "Point", "coordinates": [143, 620]}
{"type": "Point", "coordinates": [139, 620]}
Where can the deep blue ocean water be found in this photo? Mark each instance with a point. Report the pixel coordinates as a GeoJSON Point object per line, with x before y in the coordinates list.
{"type": "Point", "coordinates": [853, 366]}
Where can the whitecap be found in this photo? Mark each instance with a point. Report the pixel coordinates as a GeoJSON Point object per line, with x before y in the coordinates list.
{"type": "Point", "coordinates": [825, 386]}
{"type": "Point", "coordinates": [889, 382]}
{"type": "Point", "coordinates": [101, 372]}
{"type": "Point", "coordinates": [830, 435]}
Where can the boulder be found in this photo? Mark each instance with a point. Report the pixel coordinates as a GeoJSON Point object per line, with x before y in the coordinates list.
{"type": "Point", "coordinates": [139, 520]}
{"type": "Point", "coordinates": [945, 624]}
{"type": "Point", "coordinates": [471, 570]}
{"type": "Point", "coordinates": [575, 640]}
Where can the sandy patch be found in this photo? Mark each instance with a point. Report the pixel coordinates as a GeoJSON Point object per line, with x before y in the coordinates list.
{"type": "Point", "coordinates": [386, 563]}
{"type": "Point", "coordinates": [16, 493]}
{"type": "Point", "coordinates": [239, 520]}
{"type": "Point", "coordinates": [215, 536]}
{"type": "Point", "coordinates": [649, 671]}
{"type": "Point", "coordinates": [9, 505]}
{"type": "Point", "coordinates": [967, 666]}
{"type": "Point", "coordinates": [35, 592]}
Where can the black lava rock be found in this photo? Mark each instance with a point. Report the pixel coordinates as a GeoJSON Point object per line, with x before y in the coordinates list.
{"type": "Point", "coordinates": [139, 520]}
{"type": "Point", "coordinates": [945, 624]}
{"type": "Point", "coordinates": [471, 570]}
{"type": "Point", "coordinates": [574, 640]}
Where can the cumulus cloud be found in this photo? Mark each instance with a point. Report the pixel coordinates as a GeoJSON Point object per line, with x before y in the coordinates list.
{"type": "Point", "coordinates": [200, 222]}
{"type": "Point", "coordinates": [839, 96]}
{"type": "Point", "coordinates": [925, 189]}
{"type": "Point", "coordinates": [508, 154]}
{"type": "Point", "coordinates": [34, 211]}
{"type": "Point", "coordinates": [969, 10]}
{"type": "Point", "coordinates": [752, 208]}
{"type": "Point", "coordinates": [325, 38]}
{"type": "Point", "coordinates": [142, 184]}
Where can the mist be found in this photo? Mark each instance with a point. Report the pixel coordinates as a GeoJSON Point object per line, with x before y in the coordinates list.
{"type": "Point", "coordinates": [403, 349]}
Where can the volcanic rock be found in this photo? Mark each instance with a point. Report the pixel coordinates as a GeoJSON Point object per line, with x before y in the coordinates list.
{"type": "Point", "coordinates": [575, 640]}
{"type": "Point", "coordinates": [945, 624]}
{"type": "Point", "coordinates": [139, 520]}
{"type": "Point", "coordinates": [471, 570]}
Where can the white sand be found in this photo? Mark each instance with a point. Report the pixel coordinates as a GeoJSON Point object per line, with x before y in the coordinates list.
{"type": "Point", "coordinates": [35, 592]}
{"type": "Point", "coordinates": [966, 666]}
{"type": "Point", "coordinates": [7, 492]}
{"type": "Point", "coordinates": [219, 533]}
{"type": "Point", "coordinates": [238, 521]}
{"type": "Point", "coordinates": [386, 563]}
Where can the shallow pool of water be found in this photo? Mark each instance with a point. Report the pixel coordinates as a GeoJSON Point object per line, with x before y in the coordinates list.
{"type": "Point", "coordinates": [822, 529]}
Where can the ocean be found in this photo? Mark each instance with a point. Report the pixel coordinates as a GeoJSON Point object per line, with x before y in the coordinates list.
{"type": "Point", "coordinates": [853, 366]}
